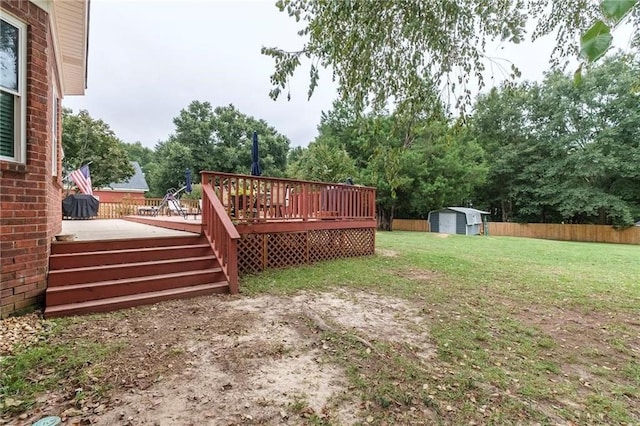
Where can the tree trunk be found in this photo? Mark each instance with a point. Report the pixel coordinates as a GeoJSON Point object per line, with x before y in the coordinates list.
{"type": "Point", "coordinates": [504, 210]}
{"type": "Point", "coordinates": [384, 222]}
{"type": "Point", "coordinates": [385, 217]}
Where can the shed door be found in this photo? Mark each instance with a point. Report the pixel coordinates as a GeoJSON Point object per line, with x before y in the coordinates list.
{"type": "Point", "coordinates": [448, 223]}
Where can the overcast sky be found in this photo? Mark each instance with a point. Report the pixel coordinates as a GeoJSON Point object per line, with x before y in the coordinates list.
{"type": "Point", "coordinates": [149, 59]}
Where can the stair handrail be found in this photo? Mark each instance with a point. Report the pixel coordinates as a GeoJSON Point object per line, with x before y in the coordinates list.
{"type": "Point", "coordinates": [221, 234]}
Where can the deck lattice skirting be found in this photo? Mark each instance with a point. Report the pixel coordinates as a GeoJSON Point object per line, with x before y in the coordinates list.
{"type": "Point", "coordinates": [257, 252]}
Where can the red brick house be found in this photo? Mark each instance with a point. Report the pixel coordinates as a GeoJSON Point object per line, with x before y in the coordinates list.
{"type": "Point", "coordinates": [43, 57]}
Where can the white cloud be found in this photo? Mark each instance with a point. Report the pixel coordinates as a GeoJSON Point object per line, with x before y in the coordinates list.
{"type": "Point", "coordinates": [149, 59]}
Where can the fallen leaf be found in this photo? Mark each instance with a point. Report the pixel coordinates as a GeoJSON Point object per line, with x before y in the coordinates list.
{"type": "Point", "coordinates": [10, 402]}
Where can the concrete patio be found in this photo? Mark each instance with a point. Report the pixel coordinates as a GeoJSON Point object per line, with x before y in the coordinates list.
{"type": "Point", "coordinates": [107, 229]}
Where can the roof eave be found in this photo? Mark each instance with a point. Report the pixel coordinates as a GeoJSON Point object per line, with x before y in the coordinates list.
{"type": "Point", "coordinates": [70, 28]}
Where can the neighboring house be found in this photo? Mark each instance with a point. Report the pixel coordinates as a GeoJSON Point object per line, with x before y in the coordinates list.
{"type": "Point", "coordinates": [133, 189]}
{"type": "Point", "coordinates": [43, 57]}
{"type": "Point", "coordinates": [456, 220]}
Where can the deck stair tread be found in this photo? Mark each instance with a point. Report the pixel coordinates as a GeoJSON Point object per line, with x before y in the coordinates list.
{"type": "Point", "coordinates": [124, 256]}
{"type": "Point", "coordinates": [133, 280]}
{"type": "Point", "coordinates": [133, 250]}
{"type": "Point", "coordinates": [135, 300]}
{"type": "Point", "coordinates": [102, 276]}
{"type": "Point", "coordinates": [134, 264]}
{"type": "Point", "coordinates": [75, 247]}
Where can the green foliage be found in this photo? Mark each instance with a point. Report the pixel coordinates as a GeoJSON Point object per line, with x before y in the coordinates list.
{"type": "Point", "coordinates": [218, 140]}
{"type": "Point", "coordinates": [169, 169]}
{"type": "Point", "coordinates": [294, 154]}
{"type": "Point", "coordinates": [87, 140]}
{"type": "Point", "coordinates": [139, 153]}
{"type": "Point", "coordinates": [616, 10]}
{"type": "Point", "coordinates": [415, 163]}
{"type": "Point", "coordinates": [396, 51]}
{"type": "Point", "coordinates": [595, 42]}
{"type": "Point", "coordinates": [560, 152]}
{"type": "Point", "coordinates": [195, 194]}
{"type": "Point", "coordinates": [322, 161]}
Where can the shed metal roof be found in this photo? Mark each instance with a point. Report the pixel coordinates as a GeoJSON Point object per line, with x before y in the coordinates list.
{"type": "Point", "coordinates": [473, 216]}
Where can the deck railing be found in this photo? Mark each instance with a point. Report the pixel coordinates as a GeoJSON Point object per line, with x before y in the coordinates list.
{"type": "Point", "coordinates": [250, 199]}
{"type": "Point", "coordinates": [222, 236]}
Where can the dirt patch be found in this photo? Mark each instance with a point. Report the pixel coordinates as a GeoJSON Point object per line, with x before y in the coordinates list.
{"type": "Point", "coordinates": [377, 318]}
{"type": "Point", "coordinates": [420, 274]}
{"type": "Point", "coordinates": [589, 344]}
{"type": "Point", "coordinates": [262, 360]}
{"type": "Point", "coordinates": [230, 360]}
{"type": "Point", "coordinates": [386, 253]}
{"type": "Point", "coordinates": [258, 363]}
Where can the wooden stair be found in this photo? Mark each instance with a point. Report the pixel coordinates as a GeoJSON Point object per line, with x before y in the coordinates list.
{"type": "Point", "coordinates": [101, 276]}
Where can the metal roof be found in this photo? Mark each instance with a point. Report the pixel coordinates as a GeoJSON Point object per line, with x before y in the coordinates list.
{"type": "Point", "coordinates": [466, 210]}
{"type": "Point", "coordinates": [473, 216]}
{"type": "Point", "coordinates": [136, 182]}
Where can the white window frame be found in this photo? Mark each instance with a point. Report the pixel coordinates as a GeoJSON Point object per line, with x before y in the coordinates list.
{"type": "Point", "coordinates": [20, 138]}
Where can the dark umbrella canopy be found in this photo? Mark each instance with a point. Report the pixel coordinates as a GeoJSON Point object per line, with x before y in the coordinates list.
{"type": "Point", "coordinates": [188, 177]}
{"type": "Point", "coordinates": [255, 157]}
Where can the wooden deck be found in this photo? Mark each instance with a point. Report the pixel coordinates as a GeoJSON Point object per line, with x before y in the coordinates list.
{"type": "Point", "coordinates": [177, 223]}
{"type": "Point", "coordinates": [282, 222]}
{"type": "Point", "coordinates": [285, 222]}
{"type": "Point", "coordinates": [247, 224]}
{"type": "Point", "coordinates": [275, 222]}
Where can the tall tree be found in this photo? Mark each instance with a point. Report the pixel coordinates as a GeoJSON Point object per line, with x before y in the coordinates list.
{"type": "Point", "coordinates": [169, 169]}
{"type": "Point", "coordinates": [561, 152]}
{"type": "Point", "coordinates": [220, 139]}
{"type": "Point", "coordinates": [232, 139]}
{"type": "Point", "coordinates": [416, 163]}
{"type": "Point", "coordinates": [499, 124]}
{"type": "Point", "coordinates": [141, 154]}
{"type": "Point", "coordinates": [217, 139]}
{"type": "Point", "coordinates": [322, 161]}
{"type": "Point", "coordinates": [195, 131]}
{"type": "Point", "coordinates": [387, 52]}
{"type": "Point", "coordinates": [86, 140]}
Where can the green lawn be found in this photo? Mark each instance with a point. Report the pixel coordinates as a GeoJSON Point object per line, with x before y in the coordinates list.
{"type": "Point", "coordinates": [580, 276]}
{"type": "Point", "coordinates": [526, 330]}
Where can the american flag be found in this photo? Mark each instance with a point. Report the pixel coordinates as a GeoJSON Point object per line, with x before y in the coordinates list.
{"type": "Point", "coordinates": [82, 178]}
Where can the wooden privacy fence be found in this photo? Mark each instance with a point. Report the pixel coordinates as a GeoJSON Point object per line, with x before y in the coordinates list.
{"type": "Point", "coordinates": [566, 232]}
{"type": "Point", "coordinates": [547, 231]}
{"type": "Point", "coordinates": [418, 225]}
{"type": "Point", "coordinates": [130, 207]}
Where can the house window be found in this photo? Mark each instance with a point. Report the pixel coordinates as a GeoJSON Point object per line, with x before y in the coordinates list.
{"type": "Point", "coordinates": [12, 89]}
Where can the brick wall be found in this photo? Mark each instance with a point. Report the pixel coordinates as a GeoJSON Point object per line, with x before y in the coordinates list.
{"type": "Point", "coordinates": [118, 196]}
{"type": "Point", "coordinates": [30, 197]}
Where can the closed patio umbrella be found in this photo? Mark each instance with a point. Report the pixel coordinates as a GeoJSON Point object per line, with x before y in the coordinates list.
{"type": "Point", "coordinates": [187, 187]}
{"type": "Point", "coordinates": [255, 156]}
